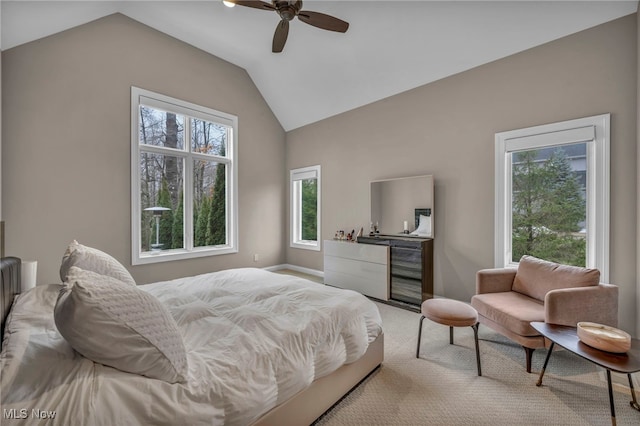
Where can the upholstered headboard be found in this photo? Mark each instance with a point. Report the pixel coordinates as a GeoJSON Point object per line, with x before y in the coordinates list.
{"type": "Point", "coordinates": [9, 288]}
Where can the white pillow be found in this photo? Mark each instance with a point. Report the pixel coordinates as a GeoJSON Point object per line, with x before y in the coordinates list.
{"type": "Point", "coordinates": [91, 259]}
{"type": "Point", "coordinates": [121, 326]}
{"type": "Point", "coordinates": [424, 227]}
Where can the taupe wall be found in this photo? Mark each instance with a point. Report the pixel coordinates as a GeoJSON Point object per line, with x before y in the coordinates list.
{"type": "Point", "coordinates": [447, 129]}
{"type": "Point", "coordinates": [1, 217]}
{"type": "Point", "coordinates": [66, 160]}
{"type": "Point", "coordinates": [638, 179]}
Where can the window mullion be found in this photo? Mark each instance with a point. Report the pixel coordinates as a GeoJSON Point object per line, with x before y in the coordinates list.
{"type": "Point", "coordinates": [162, 150]}
{"type": "Point", "coordinates": [210, 157]}
{"type": "Point", "coordinates": [188, 190]}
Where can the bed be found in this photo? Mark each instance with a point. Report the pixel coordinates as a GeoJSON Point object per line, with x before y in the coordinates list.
{"type": "Point", "coordinates": [261, 349]}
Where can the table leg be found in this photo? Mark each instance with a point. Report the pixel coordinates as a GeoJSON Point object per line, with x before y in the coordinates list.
{"type": "Point", "coordinates": [634, 402]}
{"type": "Point", "coordinates": [613, 409]}
{"type": "Point", "coordinates": [544, 366]}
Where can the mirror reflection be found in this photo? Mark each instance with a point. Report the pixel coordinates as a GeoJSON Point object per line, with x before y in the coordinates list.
{"type": "Point", "coordinates": [398, 204]}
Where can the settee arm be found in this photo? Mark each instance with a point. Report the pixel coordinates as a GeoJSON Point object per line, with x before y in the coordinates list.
{"type": "Point", "coordinates": [494, 280]}
{"type": "Point", "coordinates": [568, 306]}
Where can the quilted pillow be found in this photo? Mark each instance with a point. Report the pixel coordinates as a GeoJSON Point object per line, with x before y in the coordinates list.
{"type": "Point", "coordinates": [91, 259]}
{"type": "Point", "coordinates": [119, 325]}
{"type": "Point", "coordinates": [536, 277]}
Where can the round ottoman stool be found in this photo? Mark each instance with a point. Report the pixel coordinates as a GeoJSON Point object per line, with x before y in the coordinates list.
{"type": "Point", "coordinates": [454, 314]}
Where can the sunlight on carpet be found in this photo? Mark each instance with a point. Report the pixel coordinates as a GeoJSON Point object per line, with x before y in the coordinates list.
{"type": "Point", "coordinates": [442, 387]}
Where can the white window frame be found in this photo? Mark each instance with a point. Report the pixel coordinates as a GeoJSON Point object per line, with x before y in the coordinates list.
{"type": "Point", "coordinates": [147, 98]}
{"type": "Point", "coordinates": [595, 131]}
{"type": "Point", "coordinates": [295, 230]}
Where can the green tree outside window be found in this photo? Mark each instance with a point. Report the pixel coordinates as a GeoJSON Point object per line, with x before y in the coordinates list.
{"type": "Point", "coordinates": [309, 209]}
{"type": "Point", "coordinates": [548, 208]}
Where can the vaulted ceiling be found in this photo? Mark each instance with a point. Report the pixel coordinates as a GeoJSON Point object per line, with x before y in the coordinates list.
{"type": "Point", "coordinates": [391, 46]}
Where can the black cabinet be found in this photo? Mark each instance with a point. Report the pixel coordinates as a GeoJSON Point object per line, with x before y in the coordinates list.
{"type": "Point", "coordinates": [411, 267]}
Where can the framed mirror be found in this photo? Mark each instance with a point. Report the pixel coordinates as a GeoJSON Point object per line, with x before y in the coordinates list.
{"type": "Point", "coordinates": [398, 204]}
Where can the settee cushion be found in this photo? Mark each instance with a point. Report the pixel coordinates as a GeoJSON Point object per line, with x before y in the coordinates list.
{"type": "Point", "coordinates": [536, 277]}
{"type": "Point", "coordinates": [513, 311]}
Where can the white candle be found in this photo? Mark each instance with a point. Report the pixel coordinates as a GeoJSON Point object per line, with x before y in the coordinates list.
{"type": "Point", "coordinates": [406, 226]}
{"type": "Point", "coordinates": [28, 274]}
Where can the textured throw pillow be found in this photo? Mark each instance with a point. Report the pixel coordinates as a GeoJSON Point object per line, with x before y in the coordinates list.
{"type": "Point", "coordinates": [91, 259]}
{"type": "Point", "coordinates": [536, 277]}
{"type": "Point", "coordinates": [121, 326]}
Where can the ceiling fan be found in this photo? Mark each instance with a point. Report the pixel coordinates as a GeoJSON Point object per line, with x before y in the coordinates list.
{"type": "Point", "coordinates": [289, 10]}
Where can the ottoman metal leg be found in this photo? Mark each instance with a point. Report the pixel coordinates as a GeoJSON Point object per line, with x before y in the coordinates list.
{"type": "Point", "coordinates": [475, 335]}
{"type": "Point", "coordinates": [419, 335]}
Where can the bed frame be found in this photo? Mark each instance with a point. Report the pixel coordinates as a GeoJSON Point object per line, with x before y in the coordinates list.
{"type": "Point", "coordinates": [301, 409]}
{"type": "Point", "coordinates": [309, 404]}
{"type": "Point", "coordinates": [9, 288]}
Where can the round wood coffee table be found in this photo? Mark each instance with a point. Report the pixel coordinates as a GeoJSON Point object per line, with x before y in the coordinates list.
{"type": "Point", "coordinates": [567, 337]}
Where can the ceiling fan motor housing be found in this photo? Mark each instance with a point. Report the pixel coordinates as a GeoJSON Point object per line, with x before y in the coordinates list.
{"type": "Point", "coordinates": [287, 9]}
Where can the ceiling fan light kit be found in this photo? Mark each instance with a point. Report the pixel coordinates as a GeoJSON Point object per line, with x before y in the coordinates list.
{"type": "Point", "coordinates": [287, 10]}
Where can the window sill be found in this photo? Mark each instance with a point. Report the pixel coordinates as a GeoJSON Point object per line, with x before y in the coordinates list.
{"type": "Point", "coordinates": [171, 255]}
{"type": "Point", "coordinates": [315, 245]}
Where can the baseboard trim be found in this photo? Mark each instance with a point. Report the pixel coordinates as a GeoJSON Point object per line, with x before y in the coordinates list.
{"type": "Point", "coordinates": [308, 271]}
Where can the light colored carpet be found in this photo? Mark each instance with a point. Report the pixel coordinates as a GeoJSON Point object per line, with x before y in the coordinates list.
{"type": "Point", "coordinates": [442, 387]}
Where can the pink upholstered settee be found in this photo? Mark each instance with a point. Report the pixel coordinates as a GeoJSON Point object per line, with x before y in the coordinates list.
{"type": "Point", "coordinates": [508, 300]}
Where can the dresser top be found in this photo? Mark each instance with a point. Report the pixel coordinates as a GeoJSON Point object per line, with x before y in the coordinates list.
{"type": "Point", "coordinates": [394, 240]}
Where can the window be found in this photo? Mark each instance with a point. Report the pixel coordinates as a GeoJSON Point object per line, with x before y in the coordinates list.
{"type": "Point", "coordinates": [552, 193]}
{"type": "Point", "coordinates": [183, 179]}
{"type": "Point", "coordinates": [305, 208]}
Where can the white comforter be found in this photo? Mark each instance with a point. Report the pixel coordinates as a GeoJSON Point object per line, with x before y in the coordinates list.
{"type": "Point", "coordinates": [253, 340]}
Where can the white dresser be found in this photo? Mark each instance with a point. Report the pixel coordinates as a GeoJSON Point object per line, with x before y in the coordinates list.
{"type": "Point", "coordinates": [360, 267]}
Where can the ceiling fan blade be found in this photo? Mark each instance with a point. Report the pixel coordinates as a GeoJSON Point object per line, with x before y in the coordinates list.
{"type": "Point", "coordinates": [280, 36]}
{"type": "Point", "coordinates": [320, 20]}
{"type": "Point", "coordinates": [256, 4]}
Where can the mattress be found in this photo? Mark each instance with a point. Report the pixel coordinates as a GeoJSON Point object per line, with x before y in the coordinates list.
{"type": "Point", "coordinates": [253, 339]}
